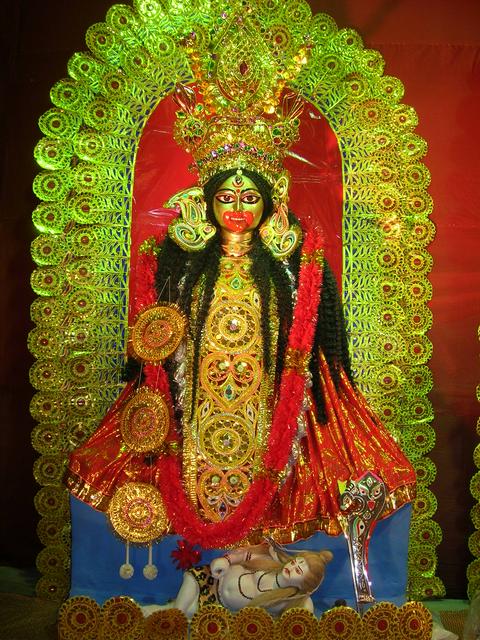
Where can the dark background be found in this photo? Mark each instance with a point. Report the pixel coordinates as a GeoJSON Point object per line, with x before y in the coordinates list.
{"type": "Point", "coordinates": [434, 48]}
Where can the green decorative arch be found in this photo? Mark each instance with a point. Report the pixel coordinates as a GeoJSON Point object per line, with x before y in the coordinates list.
{"type": "Point", "coordinates": [82, 251]}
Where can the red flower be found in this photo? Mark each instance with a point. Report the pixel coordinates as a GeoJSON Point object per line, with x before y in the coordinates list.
{"type": "Point", "coordinates": [185, 556]}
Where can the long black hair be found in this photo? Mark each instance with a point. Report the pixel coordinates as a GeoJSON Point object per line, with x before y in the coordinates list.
{"type": "Point", "coordinates": [179, 272]}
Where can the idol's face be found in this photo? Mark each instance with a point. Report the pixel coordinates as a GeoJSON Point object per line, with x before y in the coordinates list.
{"type": "Point", "coordinates": [294, 571]}
{"type": "Point", "coordinates": [238, 205]}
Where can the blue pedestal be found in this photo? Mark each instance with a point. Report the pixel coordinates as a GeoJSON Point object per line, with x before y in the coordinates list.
{"type": "Point", "coordinates": [97, 556]}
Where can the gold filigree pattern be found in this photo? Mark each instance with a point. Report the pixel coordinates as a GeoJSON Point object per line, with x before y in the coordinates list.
{"type": "Point", "coordinates": [137, 513]}
{"type": "Point", "coordinates": [145, 421]}
{"type": "Point", "coordinates": [170, 624]}
{"type": "Point", "coordinates": [297, 623]}
{"type": "Point", "coordinates": [414, 621]}
{"type": "Point", "coordinates": [79, 619]}
{"type": "Point", "coordinates": [252, 623]}
{"type": "Point", "coordinates": [382, 621]}
{"type": "Point", "coordinates": [211, 621]}
{"type": "Point", "coordinates": [157, 332]}
{"type": "Point", "coordinates": [226, 440]}
{"type": "Point", "coordinates": [121, 618]}
{"type": "Point", "coordinates": [232, 324]}
{"type": "Point", "coordinates": [341, 623]}
{"type": "Point", "coordinates": [230, 416]}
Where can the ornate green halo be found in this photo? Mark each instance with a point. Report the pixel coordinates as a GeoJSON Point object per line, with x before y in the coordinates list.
{"type": "Point", "coordinates": [87, 158]}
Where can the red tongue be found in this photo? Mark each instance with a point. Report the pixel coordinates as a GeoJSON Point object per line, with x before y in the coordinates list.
{"type": "Point", "coordinates": [237, 221]}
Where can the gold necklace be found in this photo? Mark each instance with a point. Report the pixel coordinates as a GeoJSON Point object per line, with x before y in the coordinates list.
{"type": "Point", "coordinates": [236, 245]}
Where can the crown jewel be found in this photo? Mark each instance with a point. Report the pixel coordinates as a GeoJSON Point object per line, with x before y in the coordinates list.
{"type": "Point", "coordinates": [246, 119]}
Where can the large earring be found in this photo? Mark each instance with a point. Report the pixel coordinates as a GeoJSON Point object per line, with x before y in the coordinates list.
{"type": "Point", "coordinates": [191, 230]}
{"type": "Point", "coordinates": [276, 233]}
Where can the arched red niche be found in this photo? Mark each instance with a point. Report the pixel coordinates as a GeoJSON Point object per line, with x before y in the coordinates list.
{"type": "Point", "coordinates": [161, 169]}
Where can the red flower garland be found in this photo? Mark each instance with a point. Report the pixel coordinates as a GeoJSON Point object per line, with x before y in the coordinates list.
{"type": "Point", "coordinates": [180, 510]}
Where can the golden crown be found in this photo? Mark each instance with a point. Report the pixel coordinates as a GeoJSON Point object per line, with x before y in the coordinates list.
{"type": "Point", "coordinates": [246, 119]}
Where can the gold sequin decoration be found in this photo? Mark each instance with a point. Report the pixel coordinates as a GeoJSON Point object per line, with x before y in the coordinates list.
{"type": "Point", "coordinates": [252, 623]}
{"type": "Point", "coordinates": [297, 623]}
{"type": "Point", "coordinates": [415, 621]}
{"type": "Point", "coordinates": [216, 486]}
{"type": "Point", "coordinates": [211, 621]}
{"type": "Point", "coordinates": [121, 618]}
{"type": "Point", "coordinates": [231, 416]}
{"type": "Point", "coordinates": [226, 440]}
{"type": "Point", "coordinates": [232, 325]}
{"type": "Point", "coordinates": [341, 622]}
{"type": "Point", "coordinates": [137, 513]}
{"type": "Point", "coordinates": [79, 619]}
{"type": "Point", "coordinates": [145, 421]}
{"type": "Point", "coordinates": [53, 586]}
{"type": "Point", "coordinates": [297, 360]}
{"type": "Point", "coordinates": [382, 621]}
{"type": "Point", "coordinates": [157, 332]}
{"type": "Point", "coordinates": [170, 624]}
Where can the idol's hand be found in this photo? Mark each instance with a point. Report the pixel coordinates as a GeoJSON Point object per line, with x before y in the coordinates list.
{"type": "Point", "coordinates": [218, 567]}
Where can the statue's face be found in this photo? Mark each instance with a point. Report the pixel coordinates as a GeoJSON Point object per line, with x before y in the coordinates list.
{"type": "Point", "coordinates": [294, 571]}
{"type": "Point", "coordinates": [238, 205]}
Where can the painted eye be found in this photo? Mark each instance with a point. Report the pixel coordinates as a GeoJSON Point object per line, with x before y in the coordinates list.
{"type": "Point", "coordinates": [225, 198]}
{"type": "Point", "coordinates": [250, 198]}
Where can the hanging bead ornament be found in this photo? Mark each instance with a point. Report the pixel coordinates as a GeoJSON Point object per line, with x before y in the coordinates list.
{"type": "Point", "coordinates": [150, 571]}
{"type": "Point", "coordinates": [126, 571]}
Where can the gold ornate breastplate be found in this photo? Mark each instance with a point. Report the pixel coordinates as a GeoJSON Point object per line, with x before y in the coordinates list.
{"type": "Point", "coordinates": [225, 440]}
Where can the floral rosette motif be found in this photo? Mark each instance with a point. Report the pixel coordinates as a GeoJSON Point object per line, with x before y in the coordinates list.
{"type": "Point", "coordinates": [341, 622]}
{"type": "Point", "coordinates": [171, 624]}
{"type": "Point", "coordinates": [145, 421]}
{"type": "Point", "coordinates": [157, 332]}
{"type": "Point", "coordinates": [79, 619]}
{"type": "Point", "coordinates": [53, 586]}
{"type": "Point", "coordinates": [297, 623]}
{"type": "Point", "coordinates": [137, 513]}
{"type": "Point", "coordinates": [414, 621]}
{"type": "Point", "coordinates": [212, 622]}
{"type": "Point", "coordinates": [121, 618]}
{"type": "Point", "coordinates": [252, 623]}
{"type": "Point", "coordinates": [382, 621]}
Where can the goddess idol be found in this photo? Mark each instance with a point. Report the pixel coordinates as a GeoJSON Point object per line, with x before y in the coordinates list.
{"type": "Point", "coordinates": [240, 417]}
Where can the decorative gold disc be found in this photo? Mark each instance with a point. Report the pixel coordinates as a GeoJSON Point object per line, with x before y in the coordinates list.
{"type": "Point", "coordinates": [145, 421]}
{"type": "Point", "coordinates": [79, 619]}
{"type": "Point", "coordinates": [122, 618]}
{"type": "Point", "coordinates": [252, 623]}
{"type": "Point", "coordinates": [157, 332]}
{"type": "Point", "coordinates": [137, 513]}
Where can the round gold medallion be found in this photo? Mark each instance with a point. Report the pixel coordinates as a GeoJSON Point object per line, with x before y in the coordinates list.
{"type": "Point", "coordinates": [252, 623]}
{"type": "Point", "coordinates": [137, 513]}
{"type": "Point", "coordinates": [145, 421]}
{"type": "Point", "coordinates": [157, 332]}
{"type": "Point", "coordinates": [121, 618]}
{"type": "Point", "coordinates": [79, 619]}
{"type": "Point", "coordinates": [297, 623]}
